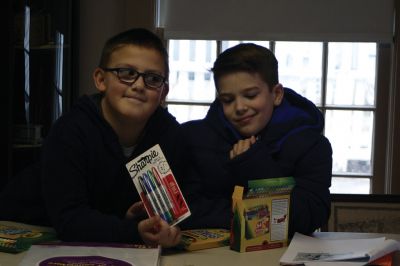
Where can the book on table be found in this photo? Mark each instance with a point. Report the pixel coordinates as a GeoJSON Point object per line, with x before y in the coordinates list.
{"type": "Point", "coordinates": [76, 253]}
{"type": "Point", "coordinates": [196, 239]}
{"type": "Point", "coordinates": [307, 250]}
{"type": "Point", "coordinates": [17, 238]}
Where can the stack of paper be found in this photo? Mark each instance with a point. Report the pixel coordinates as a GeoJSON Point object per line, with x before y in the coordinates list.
{"type": "Point", "coordinates": [305, 250]}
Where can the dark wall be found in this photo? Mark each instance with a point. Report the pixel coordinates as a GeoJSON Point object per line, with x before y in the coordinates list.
{"type": "Point", "coordinates": [5, 107]}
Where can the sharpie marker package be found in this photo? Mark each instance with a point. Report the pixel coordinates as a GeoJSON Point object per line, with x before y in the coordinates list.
{"type": "Point", "coordinates": [157, 187]}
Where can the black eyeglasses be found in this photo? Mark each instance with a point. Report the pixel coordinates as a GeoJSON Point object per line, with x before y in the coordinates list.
{"type": "Point", "coordinates": [130, 75]}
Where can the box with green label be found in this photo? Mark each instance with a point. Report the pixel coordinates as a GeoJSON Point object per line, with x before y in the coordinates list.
{"type": "Point", "coordinates": [261, 215]}
{"type": "Point", "coordinates": [17, 238]}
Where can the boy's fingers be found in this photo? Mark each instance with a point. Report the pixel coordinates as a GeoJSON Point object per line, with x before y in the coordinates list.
{"type": "Point", "coordinates": [137, 207]}
{"type": "Point", "coordinates": [177, 235]}
{"type": "Point", "coordinates": [151, 224]}
{"type": "Point", "coordinates": [241, 146]}
{"type": "Point", "coordinates": [149, 230]}
{"type": "Point", "coordinates": [135, 210]}
{"type": "Point", "coordinates": [174, 237]}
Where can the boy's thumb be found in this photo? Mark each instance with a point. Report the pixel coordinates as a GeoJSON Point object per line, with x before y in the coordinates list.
{"type": "Point", "coordinates": [152, 223]}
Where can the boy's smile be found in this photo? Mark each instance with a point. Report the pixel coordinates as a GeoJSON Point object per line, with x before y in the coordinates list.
{"type": "Point", "coordinates": [135, 97]}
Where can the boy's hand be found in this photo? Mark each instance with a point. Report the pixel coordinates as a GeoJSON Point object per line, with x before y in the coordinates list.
{"type": "Point", "coordinates": [155, 231]}
{"type": "Point", "coordinates": [241, 146]}
{"type": "Point", "coordinates": [136, 210]}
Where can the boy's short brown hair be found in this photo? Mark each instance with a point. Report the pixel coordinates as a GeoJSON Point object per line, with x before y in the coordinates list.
{"type": "Point", "coordinates": [248, 57]}
{"type": "Point", "coordinates": [139, 37]}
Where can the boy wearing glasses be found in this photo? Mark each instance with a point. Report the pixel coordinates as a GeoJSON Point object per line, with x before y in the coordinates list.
{"type": "Point", "coordinates": [87, 192]}
{"type": "Point", "coordinates": [256, 129]}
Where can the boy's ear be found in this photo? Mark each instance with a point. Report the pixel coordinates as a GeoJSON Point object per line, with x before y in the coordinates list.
{"type": "Point", "coordinates": [278, 93]}
{"type": "Point", "coordinates": [98, 78]}
{"type": "Point", "coordinates": [164, 94]}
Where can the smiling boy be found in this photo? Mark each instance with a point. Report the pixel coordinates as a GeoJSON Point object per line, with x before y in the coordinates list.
{"type": "Point", "coordinates": [256, 129]}
{"type": "Point", "coordinates": [83, 188]}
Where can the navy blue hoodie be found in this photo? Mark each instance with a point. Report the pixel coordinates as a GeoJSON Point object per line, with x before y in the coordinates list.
{"type": "Point", "coordinates": [290, 145]}
{"type": "Point", "coordinates": [82, 187]}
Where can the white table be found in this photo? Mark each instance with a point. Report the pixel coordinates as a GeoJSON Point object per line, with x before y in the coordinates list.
{"type": "Point", "coordinates": [217, 256]}
{"type": "Point", "coordinates": [224, 256]}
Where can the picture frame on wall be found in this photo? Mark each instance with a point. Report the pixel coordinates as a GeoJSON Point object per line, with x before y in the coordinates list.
{"type": "Point", "coordinates": [364, 213]}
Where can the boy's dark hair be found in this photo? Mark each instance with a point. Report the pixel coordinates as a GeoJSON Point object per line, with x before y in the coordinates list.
{"type": "Point", "coordinates": [139, 37]}
{"type": "Point", "coordinates": [248, 57]}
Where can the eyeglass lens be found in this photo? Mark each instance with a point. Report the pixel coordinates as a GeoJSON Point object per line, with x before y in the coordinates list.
{"type": "Point", "coordinates": [131, 75]}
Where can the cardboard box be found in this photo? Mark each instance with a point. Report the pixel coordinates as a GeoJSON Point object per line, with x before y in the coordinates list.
{"type": "Point", "coordinates": [16, 238]}
{"type": "Point", "coordinates": [196, 239]}
{"type": "Point", "coordinates": [261, 217]}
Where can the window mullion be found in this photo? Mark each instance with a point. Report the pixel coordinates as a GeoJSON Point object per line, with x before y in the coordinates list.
{"type": "Point", "coordinates": [219, 50]}
{"type": "Point", "coordinates": [272, 46]}
{"type": "Point", "coordinates": [324, 78]}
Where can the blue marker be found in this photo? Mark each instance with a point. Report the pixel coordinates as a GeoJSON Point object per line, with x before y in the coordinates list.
{"type": "Point", "coordinates": [148, 195]}
{"type": "Point", "coordinates": [163, 214]}
{"type": "Point", "coordinates": [167, 198]}
{"type": "Point", "coordinates": [167, 210]}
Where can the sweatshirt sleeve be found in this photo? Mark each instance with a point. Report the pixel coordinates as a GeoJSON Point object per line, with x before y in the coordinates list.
{"type": "Point", "coordinates": [67, 180]}
{"type": "Point", "coordinates": [201, 181]}
{"type": "Point", "coordinates": [307, 157]}
{"type": "Point", "coordinates": [256, 163]}
{"type": "Point", "coordinates": [207, 211]}
{"type": "Point", "coordinates": [310, 200]}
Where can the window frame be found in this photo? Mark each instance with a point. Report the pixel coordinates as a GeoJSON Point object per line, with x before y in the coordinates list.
{"type": "Point", "coordinates": [379, 178]}
{"type": "Point", "coordinates": [392, 184]}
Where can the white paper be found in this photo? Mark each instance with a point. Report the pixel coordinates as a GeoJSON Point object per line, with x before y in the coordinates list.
{"type": "Point", "coordinates": [320, 252]}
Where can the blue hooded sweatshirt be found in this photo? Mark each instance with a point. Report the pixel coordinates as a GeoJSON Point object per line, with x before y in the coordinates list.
{"type": "Point", "coordinates": [290, 145]}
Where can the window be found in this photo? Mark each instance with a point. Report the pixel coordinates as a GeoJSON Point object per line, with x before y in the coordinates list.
{"type": "Point", "coordinates": [355, 22]}
{"type": "Point", "coordinates": [191, 83]}
{"type": "Point", "coordinates": [339, 77]}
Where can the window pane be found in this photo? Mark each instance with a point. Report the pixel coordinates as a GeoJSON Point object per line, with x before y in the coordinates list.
{"type": "Point", "coordinates": [350, 133]}
{"type": "Point", "coordinates": [300, 67]}
{"type": "Point", "coordinates": [350, 185]}
{"type": "Point", "coordinates": [228, 44]}
{"type": "Point", "coordinates": [351, 74]}
{"type": "Point", "coordinates": [190, 78]}
{"type": "Point", "coordinates": [185, 113]}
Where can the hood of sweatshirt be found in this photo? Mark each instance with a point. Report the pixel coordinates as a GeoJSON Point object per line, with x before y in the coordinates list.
{"type": "Point", "coordinates": [294, 114]}
{"type": "Point", "coordinates": [159, 123]}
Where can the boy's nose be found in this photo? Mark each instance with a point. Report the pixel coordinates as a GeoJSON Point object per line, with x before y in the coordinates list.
{"type": "Point", "coordinates": [139, 83]}
{"type": "Point", "coordinates": [240, 107]}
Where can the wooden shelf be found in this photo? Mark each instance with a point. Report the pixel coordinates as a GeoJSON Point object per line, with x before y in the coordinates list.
{"type": "Point", "coordinates": [24, 146]}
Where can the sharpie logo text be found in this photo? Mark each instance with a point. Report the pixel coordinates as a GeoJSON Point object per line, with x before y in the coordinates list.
{"type": "Point", "coordinates": [142, 162]}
